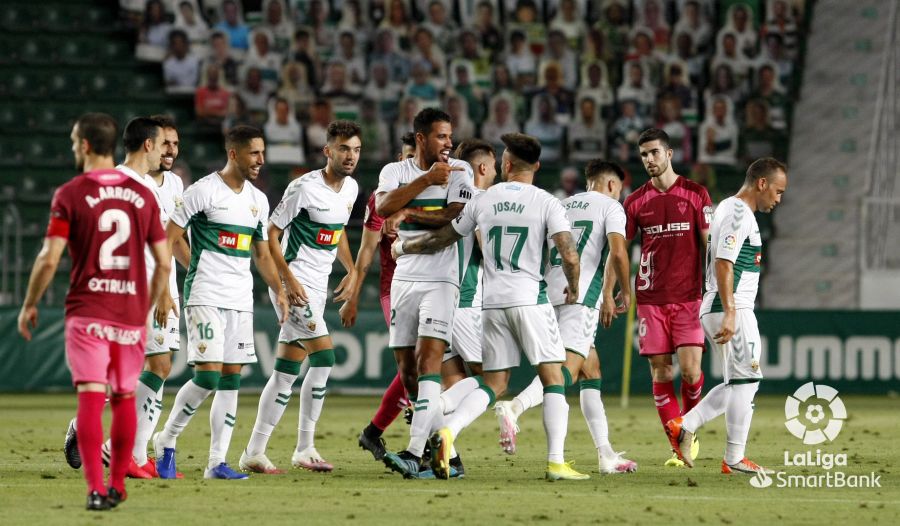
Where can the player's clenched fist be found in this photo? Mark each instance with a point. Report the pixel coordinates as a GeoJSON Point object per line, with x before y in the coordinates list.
{"type": "Point", "coordinates": [440, 173]}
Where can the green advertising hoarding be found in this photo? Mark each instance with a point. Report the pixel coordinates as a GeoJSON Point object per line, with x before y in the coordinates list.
{"type": "Point", "coordinates": [851, 351]}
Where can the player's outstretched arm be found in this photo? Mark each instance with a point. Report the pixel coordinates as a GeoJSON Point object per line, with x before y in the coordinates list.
{"type": "Point", "coordinates": [42, 272]}
{"type": "Point", "coordinates": [616, 269]}
{"type": "Point", "coordinates": [367, 247]}
{"type": "Point", "coordinates": [570, 263]}
{"type": "Point", "coordinates": [427, 243]}
{"type": "Point", "coordinates": [725, 282]}
{"type": "Point", "coordinates": [265, 264]}
{"type": "Point", "coordinates": [389, 203]}
{"type": "Point", "coordinates": [346, 287]}
{"type": "Point", "coordinates": [434, 217]}
{"type": "Point", "coordinates": [295, 293]}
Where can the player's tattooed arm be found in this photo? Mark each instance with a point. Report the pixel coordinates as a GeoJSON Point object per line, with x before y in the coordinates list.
{"type": "Point", "coordinates": [426, 217]}
{"type": "Point", "coordinates": [389, 203]}
{"type": "Point", "coordinates": [426, 243]}
{"type": "Point", "coordinates": [570, 264]}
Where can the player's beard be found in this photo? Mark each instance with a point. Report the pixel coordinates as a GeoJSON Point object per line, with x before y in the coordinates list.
{"type": "Point", "coordinates": [340, 171]}
{"type": "Point", "coordinates": [660, 169]}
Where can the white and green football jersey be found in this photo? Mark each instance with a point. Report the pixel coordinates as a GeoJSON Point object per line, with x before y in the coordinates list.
{"type": "Point", "coordinates": [171, 197]}
{"type": "Point", "coordinates": [165, 212]}
{"type": "Point", "coordinates": [593, 216]}
{"type": "Point", "coordinates": [313, 217]}
{"type": "Point", "coordinates": [442, 265]}
{"type": "Point", "coordinates": [733, 235]}
{"type": "Point", "coordinates": [515, 221]}
{"type": "Point", "coordinates": [223, 227]}
{"type": "Point", "coordinates": [470, 269]}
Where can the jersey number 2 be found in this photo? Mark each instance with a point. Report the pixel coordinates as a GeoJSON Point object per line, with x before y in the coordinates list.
{"type": "Point", "coordinates": [117, 220]}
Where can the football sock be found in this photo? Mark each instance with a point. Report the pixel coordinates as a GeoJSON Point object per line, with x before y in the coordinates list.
{"type": "Point", "coordinates": [595, 415]}
{"type": "Point", "coordinates": [90, 438]}
{"type": "Point", "coordinates": [738, 414]}
{"type": "Point", "coordinates": [452, 397]}
{"type": "Point", "coordinates": [691, 394]}
{"type": "Point", "coordinates": [666, 402]}
{"type": "Point", "coordinates": [531, 396]}
{"type": "Point", "coordinates": [556, 421]}
{"type": "Point", "coordinates": [121, 435]}
{"type": "Point", "coordinates": [272, 403]}
{"type": "Point", "coordinates": [469, 409]}
{"type": "Point", "coordinates": [711, 406]}
{"type": "Point", "coordinates": [427, 405]}
{"type": "Point", "coordinates": [312, 396]}
{"type": "Point", "coordinates": [222, 417]}
{"type": "Point", "coordinates": [149, 408]}
{"type": "Point", "coordinates": [188, 399]}
{"type": "Point", "coordinates": [393, 402]}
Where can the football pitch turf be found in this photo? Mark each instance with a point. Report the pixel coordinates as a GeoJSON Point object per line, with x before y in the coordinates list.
{"type": "Point", "coordinates": [38, 487]}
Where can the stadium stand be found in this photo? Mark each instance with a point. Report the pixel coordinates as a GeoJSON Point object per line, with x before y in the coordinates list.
{"type": "Point", "coordinates": [641, 63]}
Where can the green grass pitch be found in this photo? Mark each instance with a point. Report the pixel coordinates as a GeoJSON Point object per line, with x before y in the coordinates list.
{"type": "Point", "coordinates": [37, 487]}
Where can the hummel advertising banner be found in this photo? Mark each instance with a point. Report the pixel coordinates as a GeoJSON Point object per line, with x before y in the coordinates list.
{"type": "Point", "coordinates": [853, 351]}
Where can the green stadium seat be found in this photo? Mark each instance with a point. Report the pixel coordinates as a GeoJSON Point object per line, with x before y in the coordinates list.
{"type": "Point", "coordinates": [36, 50]}
{"type": "Point", "coordinates": [9, 51]}
{"type": "Point", "coordinates": [56, 118]}
{"type": "Point", "coordinates": [12, 151]}
{"type": "Point", "coordinates": [115, 52]}
{"type": "Point", "coordinates": [77, 51]}
{"type": "Point", "coordinates": [66, 85]}
{"type": "Point", "coordinates": [48, 151]}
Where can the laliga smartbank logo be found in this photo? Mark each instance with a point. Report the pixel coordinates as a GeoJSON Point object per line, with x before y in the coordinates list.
{"type": "Point", "coordinates": [815, 414]}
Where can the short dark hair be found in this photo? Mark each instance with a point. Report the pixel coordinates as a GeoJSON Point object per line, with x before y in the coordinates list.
{"type": "Point", "coordinates": [138, 130]}
{"type": "Point", "coordinates": [100, 131]}
{"type": "Point", "coordinates": [426, 118]}
{"type": "Point", "coordinates": [343, 128]}
{"type": "Point", "coordinates": [165, 121]}
{"type": "Point", "coordinates": [524, 147]}
{"type": "Point", "coordinates": [597, 167]}
{"type": "Point", "coordinates": [763, 167]}
{"type": "Point", "coordinates": [241, 135]}
{"type": "Point", "coordinates": [408, 139]}
{"type": "Point", "coordinates": [654, 134]}
{"type": "Point", "coordinates": [178, 33]}
{"type": "Point", "coordinates": [469, 149]}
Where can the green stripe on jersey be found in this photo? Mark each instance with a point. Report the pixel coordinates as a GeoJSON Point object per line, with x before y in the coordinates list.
{"type": "Point", "coordinates": [469, 283]}
{"type": "Point", "coordinates": [542, 286]}
{"type": "Point", "coordinates": [745, 262]}
{"type": "Point", "coordinates": [230, 240]}
{"type": "Point", "coordinates": [423, 203]}
{"type": "Point", "coordinates": [306, 232]}
{"type": "Point", "coordinates": [596, 285]}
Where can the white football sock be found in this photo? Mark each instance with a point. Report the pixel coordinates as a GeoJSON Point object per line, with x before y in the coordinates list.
{"type": "Point", "coordinates": [187, 401]}
{"type": "Point", "coordinates": [222, 417]}
{"type": "Point", "coordinates": [312, 398]}
{"type": "Point", "coordinates": [427, 406]}
{"type": "Point", "coordinates": [595, 416]}
{"type": "Point", "coordinates": [738, 415]}
{"type": "Point", "coordinates": [711, 406]}
{"type": "Point", "coordinates": [556, 423]}
{"type": "Point", "coordinates": [149, 409]}
{"type": "Point", "coordinates": [531, 396]}
{"type": "Point", "coordinates": [272, 403]}
{"type": "Point", "coordinates": [451, 398]}
{"type": "Point", "coordinates": [469, 409]}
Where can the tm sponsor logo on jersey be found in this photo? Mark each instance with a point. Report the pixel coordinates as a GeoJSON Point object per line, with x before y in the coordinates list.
{"type": "Point", "coordinates": [234, 241]}
{"type": "Point", "coordinates": [671, 227]}
{"type": "Point", "coordinates": [112, 286]}
{"type": "Point", "coordinates": [328, 237]}
{"type": "Point", "coordinates": [114, 334]}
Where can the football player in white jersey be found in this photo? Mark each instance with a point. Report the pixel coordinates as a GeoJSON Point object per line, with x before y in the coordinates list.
{"type": "Point", "coordinates": [309, 221]}
{"type": "Point", "coordinates": [734, 254]}
{"type": "Point", "coordinates": [598, 223]}
{"type": "Point", "coordinates": [419, 195]}
{"type": "Point", "coordinates": [226, 216]}
{"type": "Point", "coordinates": [515, 219]}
